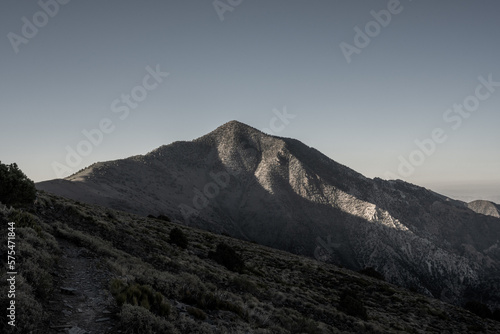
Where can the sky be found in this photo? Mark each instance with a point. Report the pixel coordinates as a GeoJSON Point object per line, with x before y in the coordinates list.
{"type": "Point", "coordinates": [392, 89]}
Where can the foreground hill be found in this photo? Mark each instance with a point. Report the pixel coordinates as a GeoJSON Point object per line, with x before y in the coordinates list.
{"type": "Point", "coordinates": [281, 193]}
{"type": "Point", "coordinates": [141, 277]}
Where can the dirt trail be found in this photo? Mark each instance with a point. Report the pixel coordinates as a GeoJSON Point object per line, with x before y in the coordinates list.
{"type": "Point", "coordinates": [81, 303]}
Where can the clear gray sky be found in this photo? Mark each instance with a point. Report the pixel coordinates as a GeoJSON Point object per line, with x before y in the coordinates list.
{"type": "Point", "coordinates": [248, 60]}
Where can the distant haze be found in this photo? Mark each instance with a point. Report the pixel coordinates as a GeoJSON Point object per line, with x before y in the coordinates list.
{"type": "Point", "coordinates": [470, 192]}
{"type": "Point", "coordinates": [363, 99]}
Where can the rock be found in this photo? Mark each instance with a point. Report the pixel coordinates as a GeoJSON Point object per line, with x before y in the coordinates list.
{"type": "Point", "coordinates": [77, 330]}
{"type": "Point", "coordinates": [58, 327]}
{"type": "Point", "coordinates": [85, 253]}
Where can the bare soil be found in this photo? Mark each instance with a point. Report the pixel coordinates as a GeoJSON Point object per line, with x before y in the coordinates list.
{"type": "Point", "coordinates": [81, 301]}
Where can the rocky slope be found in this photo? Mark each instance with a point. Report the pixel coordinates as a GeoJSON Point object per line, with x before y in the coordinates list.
{"type": "Point", "coordinates": [281, 193]}
{"type": "Point", "coordinates": [485, 207]}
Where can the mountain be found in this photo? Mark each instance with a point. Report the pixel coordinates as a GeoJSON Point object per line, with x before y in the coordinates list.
{"type": "Point", "coordinates": [281, 193]}
{"type": "Point", "coordinates": [485, 207]}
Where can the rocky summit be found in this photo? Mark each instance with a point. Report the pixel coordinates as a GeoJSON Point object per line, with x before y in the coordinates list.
{"type": "Point", "coordinates": [485, 207]}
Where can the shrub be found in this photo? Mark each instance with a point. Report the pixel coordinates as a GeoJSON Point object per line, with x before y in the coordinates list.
{"type": "Point", "coordinates": [163, 217]}
{"type": "Point", "coordinates": [227, 256]}
{"type": "Point", "coordinates": [479, 309]}
{"type": "Point", "coordinates": [305, 325]}
{"type": "Point", "coordinates": [16, 188]}
{"type": "Point", "coordinates": [29, 313]}
{"type": "Point", "coordinates": [370, 271]}
{"type": "Point", "coordinates": [351, 305]}
{"type": "Point", "coordinates": [160, 217]}
{"type": "Point", "coordinates": [25, 219]}
{"type": "Point", "coordinates": [242, 283]}
{"type": "Point", "coordinates": [135, 319]}
{"type": "Point", "coordinates": [197, 313]}
{"type": "Point", "coordinates": [38, 278]}
{"type": "Point", "coordinates": [139, 295]}
{"type": "Point", "coordinates": [111, 215]}
{"type": "Point", "coordinates": [177, 237]}
{"type": "Point", "coordinates": [496, 314]}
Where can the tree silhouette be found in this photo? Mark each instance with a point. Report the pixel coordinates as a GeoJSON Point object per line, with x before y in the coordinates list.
{"type": "Point", "coordinates": [16, 189]}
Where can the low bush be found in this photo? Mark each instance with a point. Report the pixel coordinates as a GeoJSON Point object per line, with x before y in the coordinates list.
{"type": "Point", "coordinates": [305, 325]}
{"type": "Point", "coordinates": [177, 237]}
{"type": "Point", "coordinates": [160, 217]}
{"type": "Point", "coordinates": [227, 256]}
{"type": "Point", "coordinates": [163, 217]}
{"type": "Point", "coordinates": [29, 312]}
{"type": "Point", "coordinates": [372, 272]}
{"type": "Point", "coordinates": [351, 305]}
{"type": "Point", "coordinates": [139, 295]}
{"type": "Point", "coordinates": [242, 283]}
{"type": "Point", "coordinates": [25, 219]}
{"type": "Point", "coordinates": [496, 314]}
{"type": "Point", "coordinates": [197, 313]}
{"type": "Point", "coordinates": [138, 320]}
{"type": "Point", "coordinates": [479, 309]}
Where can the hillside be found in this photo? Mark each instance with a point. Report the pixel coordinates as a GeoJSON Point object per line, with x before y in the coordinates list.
{"type": "Point", "coordinates": [165, 288]}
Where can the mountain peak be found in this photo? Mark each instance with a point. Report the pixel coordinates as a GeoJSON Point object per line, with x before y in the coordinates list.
{"type": "Point", "coordinates": [232, 129]}
{"type": "Point", "coordinates": [234, 123]}
{"type": "Point", "coordinates": [236, 126]}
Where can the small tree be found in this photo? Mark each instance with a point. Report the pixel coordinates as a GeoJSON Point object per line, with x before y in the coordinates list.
{"type": "Point", "coordinates": [496, 314]}
{"type": "Point", "coordinates": [16, 188]}
{"type": "Point", "coordinates": [163, 217]}
{"type": "Point", "coordinates": [372, 272]}
{"type": "Point", "coordinates": [352, 305]}
{"type": "Point", "coordinates": [178, 238]}
{"type": "Point", "coordinates": [479, 309]}
{"type": "Point", "coordinates": [227, 256]}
